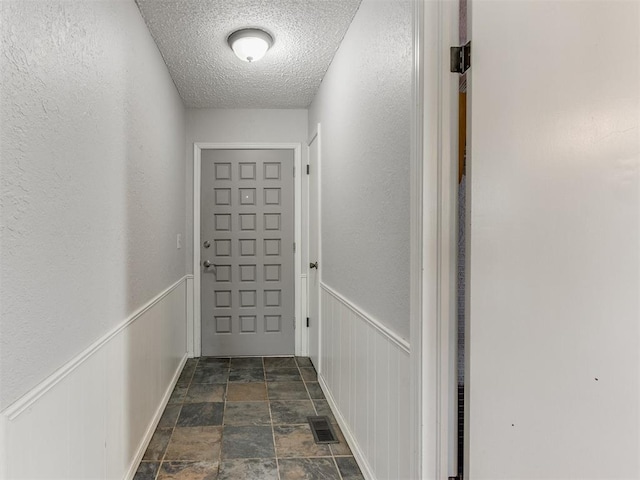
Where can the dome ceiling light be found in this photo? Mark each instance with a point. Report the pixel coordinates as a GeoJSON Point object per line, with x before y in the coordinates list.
{"type": "Point", "coordinates": [250, 44]}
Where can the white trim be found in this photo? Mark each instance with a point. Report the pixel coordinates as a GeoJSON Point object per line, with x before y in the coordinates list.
{"type": "Point", "coordinates": [190, 315]}
{"type": "Point", "coordinates": [313, 135]}
{"type": "Point", "coordinates": [144, 443]}
{"type": "Point", "coordinates": [300, 333]}
{"type": "Point", "coordinates": [304, 312]}
{"type": "Point", "coordinates": [197, 306]}
{"type": "Point", "coordinates": [433, 288]}
{"type": "Point", "coordinates": [365, 468]}
{"type": "Point", "coordinates": [316, 134]}
{"type": "Point", "coordinates": [416, 246]}
{"type": "Point", "coordinates": [389, 334]}
{"type": "Point", "coordinates": [27, 400]}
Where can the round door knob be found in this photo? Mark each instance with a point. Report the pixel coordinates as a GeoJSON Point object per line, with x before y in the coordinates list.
{"type": "Point", "coordinates": [206, 264]}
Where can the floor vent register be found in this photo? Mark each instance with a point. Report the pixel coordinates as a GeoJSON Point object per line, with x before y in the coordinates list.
{"type": "Point", "coordinates": [322, 430]}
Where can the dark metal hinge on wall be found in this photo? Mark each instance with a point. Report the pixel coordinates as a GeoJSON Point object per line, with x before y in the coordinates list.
{"type": "Point", "coordinates": [307, 322]}
{"type": "Point", "coordinates": [461, 58]}
{"type": "Point", "coordinates": [308, 169]}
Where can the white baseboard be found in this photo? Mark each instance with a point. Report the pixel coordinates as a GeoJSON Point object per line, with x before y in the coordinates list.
{"type": "Point", "coordinates": [154, 423]}
{"type": "Point", "coordinates": [364, 372]}
{"type": "Point", "coordinates": [363, 463]}
{"type": "Point", "coordinates": [94, 416]}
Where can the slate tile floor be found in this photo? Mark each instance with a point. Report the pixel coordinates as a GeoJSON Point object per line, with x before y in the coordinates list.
{"type": "Point", "coordinates": [245, 419]}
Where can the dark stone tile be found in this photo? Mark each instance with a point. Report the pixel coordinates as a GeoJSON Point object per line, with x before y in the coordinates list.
{"type": "Point", "coordinates": [248, 469]}
{"type": "Point", "coordinates": [287, 391]}
{"type": "Point", "coordinates": [284, 375]}
{"type": "Point", "coordinates": [146, 471]}
{"type": "Point", "coordinates": [297, 441]}
{"type": "Point", "coordinates": [247, 442]}
{"type": "Point", "coordinates": [246, 375]}
{"type": "Point", "coordinates": [201, 414]}
{"type": "Point", "coordinates": [191, 362]}
{"type": "Point", "coordinates": [205, 392]}
{"type": "Point", "coordinates": [195, 444]}
{"type": "Point", "coordinates": [212, 367]}
{"type": "Point", "coordinates": [308, 469]}
{"type": "Point", "coordinates": [169, 416]}
{"type": "Point", "coordinates": [341, 448]}
{"type": "Point", "coordinates": [178, 394]}
{"type": "Point", "coordinates": [189, 365]}
{"type": "Point", "coordinates": [247, 413]}
{"type": "Point", "coordinates": [291, 411]}
{"type": "Point", "coordinates": [314, 390]}
{"type": "Point", "coordinates": [246, 362]}
{"type": "Point", "coordinates": [158, 444]}
{"type": "Point", "coordinates": [274, 363]}
{"type": "Point", "coordinates": [188, 471]}
{"type": "Point", "coordinates": [349, 468]}
{"type": "Point", "coordinates": [304, 362]}
{"type": "Point", "coordinates": [210, 361]}
{"type": "Point", "coordinates": [323, 408]}
{"type": "Point", "coordinates": [185, 377]}
{"type": "Point", "coordinates": [210, 375]}
{"type": "Point", "coordinates": [246, 392]}
{"type": "Point", "coordinates": [309, 374]}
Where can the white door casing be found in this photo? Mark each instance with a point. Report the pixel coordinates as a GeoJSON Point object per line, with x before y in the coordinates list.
{"type": "Point", "coordinates": [314, 238]}
{"type": "Point", "coordinates": [433, 239]}
{"type": "Point", "coordinates": [194, 331]}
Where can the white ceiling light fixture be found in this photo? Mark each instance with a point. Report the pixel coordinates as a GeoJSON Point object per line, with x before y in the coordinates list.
{"type": "Point", "coordinates": [250, 44]}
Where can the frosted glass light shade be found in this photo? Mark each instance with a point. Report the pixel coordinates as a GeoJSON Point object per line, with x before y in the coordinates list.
{"type": "Point", "coordinates": [250, 44]}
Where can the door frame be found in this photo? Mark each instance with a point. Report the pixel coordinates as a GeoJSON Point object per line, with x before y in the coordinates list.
{"type": "Point", "coordinates": [433, 243]}
{"type": "Point", "coordinates": [194, 331]}
{"type": "Point", "coordinates": [316, 135]}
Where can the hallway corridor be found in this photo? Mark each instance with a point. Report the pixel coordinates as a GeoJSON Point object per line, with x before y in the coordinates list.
{"type": "Point", "coordinates": [245, 418]}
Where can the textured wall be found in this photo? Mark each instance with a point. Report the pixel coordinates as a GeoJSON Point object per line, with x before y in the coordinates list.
{"type": "Point", "coordinates": [238, 126]}
{"type": "Point", "coordinates": [364, 105]}
{"type": "Point", "coordinates": [92, 170]}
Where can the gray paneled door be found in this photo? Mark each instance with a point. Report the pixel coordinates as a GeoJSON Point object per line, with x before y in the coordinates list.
{"type": "Point", "coordinates": [247, 235]}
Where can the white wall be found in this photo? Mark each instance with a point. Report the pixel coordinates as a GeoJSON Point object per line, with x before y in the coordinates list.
{"type": "Point", "coordinates": [364, 105]}
{"type": "Point", "coordinates": [94, 417]}
{"type": "Point", "coordinates": [92, 198]}
{"type": "Point", "coordinates": [93, 195]}
{"type": "Point", "coordinates": [365, 375]}
{"type": "Point", "coordinates": [239, 126]}
{"type": "Point", "coordinates": [554, 326]}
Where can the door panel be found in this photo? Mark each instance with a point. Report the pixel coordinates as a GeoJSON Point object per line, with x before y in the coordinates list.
{"type": "Point", "coordinates": [553, 326]}
{"type": "Point", "coordinates": [247, 235]}
{"type": "Point", "coordinates": [314, 251]}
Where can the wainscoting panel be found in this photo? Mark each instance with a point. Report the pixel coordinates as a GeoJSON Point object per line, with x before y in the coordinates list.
{"type": "Point", "coordinates": [364, 371]}
{"type": "Point", "coordinates": [93, 418]}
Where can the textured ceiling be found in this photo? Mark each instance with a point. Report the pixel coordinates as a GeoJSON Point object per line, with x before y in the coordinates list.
{"type": "Point", "coordinates": [192, 37]}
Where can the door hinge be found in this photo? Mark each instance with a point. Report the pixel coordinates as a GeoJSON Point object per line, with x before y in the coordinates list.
{"type": "Point", "coordinates": [461, 58]}
{"type": "Point", "coordinates": [294, 247]}
{"type": "Point", "coordinates": [307, 322]}
{"type": "Point", "coordinates": [308, 167]}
